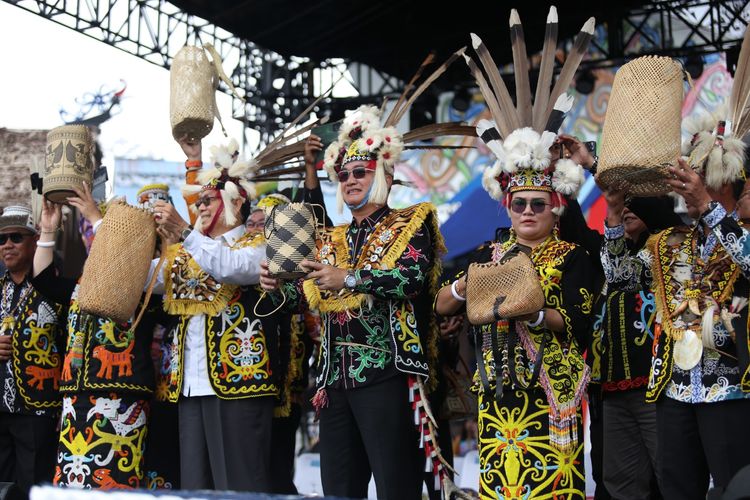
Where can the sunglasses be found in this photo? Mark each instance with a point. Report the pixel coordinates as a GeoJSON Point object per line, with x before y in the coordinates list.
{"type": "Point", "coordinates": [538, 205]}
{"type": "Point", "coordinates": [13, 237]}
{"type": "Point", "coordinates": [357, 172]}
{"type": "Point", "coordinates": [204, 200]}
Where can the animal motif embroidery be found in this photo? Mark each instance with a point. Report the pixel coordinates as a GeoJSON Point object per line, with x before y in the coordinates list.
{"type": "Point", "coordinates": [39, 375]}
{"type": "Point", "coordinates": [122, 360]}
{"type": "Point", "coordinates": [67, 373]}
{"type": "Point", "coordinates": [123, 423]}
{"type": "Point", "coordinates": [105, 481]}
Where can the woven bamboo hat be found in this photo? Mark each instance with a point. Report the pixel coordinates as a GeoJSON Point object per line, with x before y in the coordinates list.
{"type": "Point", "coordinates": [641, 136]}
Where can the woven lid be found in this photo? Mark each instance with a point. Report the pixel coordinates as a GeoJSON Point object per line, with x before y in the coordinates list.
{"type": "Point", "coordinates": [641, 136]}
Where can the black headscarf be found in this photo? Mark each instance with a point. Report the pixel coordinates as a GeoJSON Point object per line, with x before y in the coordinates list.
{"type": "Point", "coordinates": [657, 213]}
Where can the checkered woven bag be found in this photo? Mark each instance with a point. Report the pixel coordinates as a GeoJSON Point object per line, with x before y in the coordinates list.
{"type": "Point", "coordinates": [290, 232]}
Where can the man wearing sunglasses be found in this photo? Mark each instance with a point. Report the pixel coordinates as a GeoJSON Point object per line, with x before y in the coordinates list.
{"type": "Point", "coordinates": [29, 360]}
{"type": "Point", "coordinates": [372, 282]}
{"type": "Point", "coordinates": [225, 372]}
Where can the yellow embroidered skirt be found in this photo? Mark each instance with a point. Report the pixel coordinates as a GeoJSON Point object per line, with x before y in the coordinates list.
{"type": "Point", "coordinates": [516, 458]}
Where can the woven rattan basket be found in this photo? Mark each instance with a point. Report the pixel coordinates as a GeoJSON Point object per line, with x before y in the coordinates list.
{"type": "Point", "coordinates": [290, 232]}
{"type": "Point", "coordinates": [641, 136]}
{"type": "Point", "coordinates": [506, 289]}
{"type": "Point", "coordinates": [117, 267]}
{"type": "Point", "coordinates": [69, 161]}
{"type": "Point", "coordinates": [192, 100]}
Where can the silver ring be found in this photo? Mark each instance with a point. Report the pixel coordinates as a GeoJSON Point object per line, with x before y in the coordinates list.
{"type": "Point", "coordinates": [683, 185]}
{"type": "Point", "coordinates": [317, 282]}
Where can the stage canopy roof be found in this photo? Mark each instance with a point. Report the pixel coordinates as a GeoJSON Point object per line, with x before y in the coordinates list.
{"type": "Point", "coordinates": [393, 36]}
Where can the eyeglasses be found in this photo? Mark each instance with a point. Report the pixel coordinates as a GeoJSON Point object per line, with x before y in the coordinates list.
{"type": "Point", "coordinates": [204, 200]}
{"type": "Point", "coordinates": [357, 172]}
{"type": "Point", "coordinates": [538, 205]}
{"type": "Point", "coordinates": [13, 237]}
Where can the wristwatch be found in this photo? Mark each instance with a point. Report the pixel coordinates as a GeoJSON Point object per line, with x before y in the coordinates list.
{"type": "Point", "coordinates": [185, 233]}
{"type": "Point", "coordinates": [350, 281]}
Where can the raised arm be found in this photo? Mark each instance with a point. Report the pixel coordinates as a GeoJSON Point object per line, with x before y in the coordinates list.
{"type": "Point", "coordinates": [193, 151]}
{"type": "Point", "coordinates": [313, 194]}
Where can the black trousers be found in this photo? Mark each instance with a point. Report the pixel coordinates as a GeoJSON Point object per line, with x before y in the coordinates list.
{"type": "Point", "coordinates": [695, 440]}
{"type": "Point", "coordinates": [371, 430]}
{"type": "Point", "coordinates": [28, 447]}
{"type": "Point", "coordinates": [630, 456]}
{"type": "Point", "coordinates": [225, 444]}
{"type": "Point", "coordinates": [284, 439]}
{"type": "Point", "coordinates": [596, 433]}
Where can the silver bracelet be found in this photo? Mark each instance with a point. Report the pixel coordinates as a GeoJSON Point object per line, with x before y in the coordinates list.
{"type": "Point", "coordinates": [46, 244]}
{"type": "Point", "coordinates": [539, 320]}
{"type": "Point", "coordinates": [455, 294]}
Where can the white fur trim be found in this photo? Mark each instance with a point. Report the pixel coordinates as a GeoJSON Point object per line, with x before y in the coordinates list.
{"type": "Point", "coordinates": [249, 188]}
{"type": "Point", "coordinates": [371, 140]}
{"type": "Point", "coordinates": [567, 177]}
{"type": "Point", "coordinates": [524, 148]}
{"type": "Point", "coordinates": [221, 156]}
{"type": "Point", "coordinates": [379, 190]}
{"type": "Point", "coordinates": [191, 189]}
{"type": "Point", "coordinates": [228, 194]}
{"type": "Point", "coordinates": [490, 183]}
{"type": "Point", "coordinates": [206, 176]}
{"type": "Point", "coordinates": [329, 161]}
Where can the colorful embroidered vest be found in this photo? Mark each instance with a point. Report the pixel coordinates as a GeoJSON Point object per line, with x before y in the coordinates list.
{"type": "Point", "coordinates": [36, 359]}
{"type": "Point", "coordinates": [102, 355]}
{"type": "Point", "coordinates": [241, 350]}
{"type": "Point", "coordinates": [670, 249]}
{"type": "Point", "coordinates": [413, 326]}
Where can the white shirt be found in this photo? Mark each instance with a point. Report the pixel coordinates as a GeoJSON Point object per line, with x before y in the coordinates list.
{"type": "Point", "coordinates": [235, 267]}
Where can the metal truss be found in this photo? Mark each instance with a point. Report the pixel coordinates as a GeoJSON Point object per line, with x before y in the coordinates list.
{"type": "Point", "coordinates": [275, 89]}
{"type": "Point", "coordinates": [672, 28]}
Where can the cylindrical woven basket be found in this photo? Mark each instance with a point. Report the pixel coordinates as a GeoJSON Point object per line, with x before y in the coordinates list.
{"type": "Point", "coordinates": [290, 232]}
{"type": "Point", "coordinates": [192, 99]}
{"type": "Point", "coordinates": [117, 267]}
{"type": "Point", "coordinates": [641, 136]}
{"type": "Point", "coordinates": [69, 161]}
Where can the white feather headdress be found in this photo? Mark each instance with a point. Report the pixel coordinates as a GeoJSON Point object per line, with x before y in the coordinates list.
{"type": "Point", "coordinates": [520, 135]}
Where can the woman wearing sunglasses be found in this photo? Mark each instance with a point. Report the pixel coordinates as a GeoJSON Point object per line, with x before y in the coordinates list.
{"type": "Point", "coordinates": [531, 434]}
